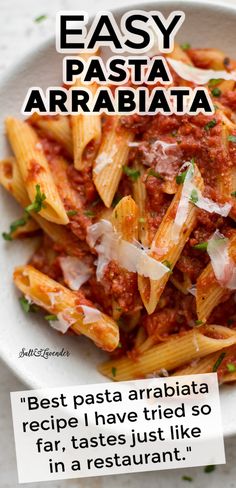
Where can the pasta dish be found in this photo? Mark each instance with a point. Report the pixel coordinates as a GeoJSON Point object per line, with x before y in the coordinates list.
{"type": "Point", "coordinates": [136, 222]}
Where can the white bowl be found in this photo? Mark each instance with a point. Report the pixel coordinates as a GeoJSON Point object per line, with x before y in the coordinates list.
{"type": "Point", "coordinates": [205, 25]}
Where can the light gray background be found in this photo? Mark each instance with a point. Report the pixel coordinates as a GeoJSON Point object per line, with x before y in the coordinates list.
{"type": "Point", "coordinates": [19, 34]}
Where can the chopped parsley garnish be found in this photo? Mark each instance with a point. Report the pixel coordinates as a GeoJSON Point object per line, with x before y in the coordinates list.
{"type": "Point", "coordinates": [40, 18]}
{"type": "Point", "coordinates": [116, 200]}
{"type": "Point", "coordinates": [89, 213]}
{"type": "Point", "coordinates": [210, 124]}
{"type": "Point", "coordinates": [230, 321]}
{"type": "Point", "coordinates": [202, 246]}
{"type": "Point", "coordinates": [167, 264]}
{"type": "Point", "coordinates": [50, 317]}
{"type": "Point", "coordinates": [194, 196]}
{"type": "Point", "coordinates": [152, 172]}
{"type": "Point", "coordinates": [27, 306]}
{"type": "Point", "coordinates": [233, 194]}
{"type": "Point", "coordinates": [232, 138]}
{"type": "Point", "coordinates": [38, 204]}
{"type": "Point", "coordinates": [71, 213]}
{"type": "Point", "coordinates": [132, 173]}
{"type": "Point", "coordinates": [14, 226]}
{"type": "Point", "coordinates": [185, 46]}
{"type": "Point", "coordinates": [214, 81]}
{"type": "Point", "coordinates": [198, 322]}
{"type": "Point", "coordinates": [231, 367]}
{"type": "Point", "coordinates": [209, 469]}
{"type": "Point", "coordinates": [119, 345]}
{"type": "Point", "coordinates": [113, 372]}
{"type": "Point", "coordinates": [180, 178]}
{"type": "Point", "coordinates": [187, 478]}
{"type": "Point", "coordinates": [98, 200]}
{"type": "Point", "coordinates": [216, 92]}
{"type": "Point", "coordinates": [142, 220]}
{"type": "Point", "coordinates": [218, 362]}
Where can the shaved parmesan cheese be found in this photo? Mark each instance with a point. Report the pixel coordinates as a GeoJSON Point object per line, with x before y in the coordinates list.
{"type": "Point", "coordinates": [212, 207]}
{"type": "Point", "coordinates": [192, 290]}
{"type": "Point", "coordinates": [198, 75]}
{"type": "Point", "coordinates": [190, 193]}
{"type": "Point", "coordinates": [53, 295]}
{"type": "Point", "coordinates": [182, 210]}
{"type": "Point", "coordinates": [223, 266]}
{"type": "Point", "coordinates": [134, 144]}
{"type": "Point", "coordinates": [130, 256]}
{"type": "Point", "coordinates": [91, 314]}
{"type": "Point", "coordinates": [63, 322]}
{"type": "Point", "coordinates": [103, 160]}
{"type": "Point", "coordinates": [75, 271]}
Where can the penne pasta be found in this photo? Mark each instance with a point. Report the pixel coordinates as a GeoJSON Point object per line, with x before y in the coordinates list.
{"type": "Point", "coordinates": [125, 219]}
{"type": "Point", "coordinates": [170, 355]}
{"type": "Point", "coordinates": [165, 248]}
{"type": "Point", "coordinates": [112, 156]}
{"type": "Point", "coordinates": [56, 128]}
{"type": "Point", "coordinates": [139, 194]}
{"type": "Point", "coordinates": [34, 169]}
{"type": "Point", "coordinates": [209, 292]}
{"type": "Point", "coordinates": [100, 328]}
{"type": "Point", "coordinates": [11, 180]}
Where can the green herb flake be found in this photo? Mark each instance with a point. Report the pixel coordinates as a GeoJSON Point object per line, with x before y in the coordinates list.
{"type": "Point", "coordinates": [167, 264]}
{"type": "Point", "coordinates": [40, 18]}
{"type": "Point", "coordinates": [132, 173]}
{"type": "Point", "coordinates": [187, 478]}
{"type": "Point", "coordinates": [198, 322]}
{"type": "Point", "coordinates": [232, 138]}
{"type": "Point", "coordinates": [71, 213]}
{"type": "Point", "coordinates": [218, 362]}
{"type": "Point", "coordinates": [113, 372]}
{"type": "Point", "coordinates": [98, 200]}
{"type": "Point", "coordinates": [25, 304]}
{"type": "Point", "coordinates": [216, 92]}
{"type": "Point", "coordinates": [14, 226]}
{"type": "Point", "coordinates": [152, 172]}
{"type": "Point", "coordinates": [233, 194]}
{"type": "Point", "coordinates": [38, 204]}
{"type": "Point", "coordinates": [180, 178]}
{"type": "Point", "coordinates": [210, 124]}
{"type": "Point", "coordinates": [89, 213]}
{"type": "Point", "coordinates": [202, 246]}
{"type": "Point", "coordinates": [185, 46]}
{"type": "Point", "coordinates": [214, 82]}
{"type": "Point", "coordinates": [50, 317]}
{"type": "Point", "coordinates": [116, 200]}
{"type": "Point", "coordinates": [7, 236]}
{"type": "Point", "coordinates": [194, 196]}
{"type": "Point", "coordinates": [230, 321]}
{"type": "Point", "coordinates": [142, 220]}
{"type": "Point", "coordinates": [231, 367]}
{"type": "Point", "coordinates": [119, 345]}
{"type": "Point", "coordinates": [209, 469]}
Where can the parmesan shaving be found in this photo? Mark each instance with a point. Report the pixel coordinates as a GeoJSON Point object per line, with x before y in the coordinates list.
{"type": "Point", "coordinates": [197, 75]}
{"type": "Point", "coordinates": [223, 266]}
{"type": "Point", "coordinates": [75, 271]}
{"type": "Point", "coordinates": [189, 191]}
{"type": "Point", "coordinates": [91, 314]}
{"type": "Point", "coordinates": [104, 159]}
{"type": "Point", "coordinates": [130, 256]}
{"type": "Point", "coordinates": [53, 295]}
{"type": "Point", "coordinates": [63, 322]}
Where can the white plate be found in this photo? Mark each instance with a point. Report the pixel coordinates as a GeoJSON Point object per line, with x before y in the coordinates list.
{"type": "Point", "coordinates": [206, 25]}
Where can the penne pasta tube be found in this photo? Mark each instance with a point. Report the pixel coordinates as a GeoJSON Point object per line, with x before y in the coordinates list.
{"type": "Point", "coordinates": [139, 194]}
{"type": "Point", "coordinates": [177, 351]}
{"type": "Point", "coordinates": [165, 248]}
{"type": "Point", "coordinates": [125, 219]}
{"type": "Point", "coordinates": [26, 230]}
{"type": "Point", "coordinates": [86, 129]}
{"type": "Point", "coordinates": [111, 157]}
{"type": "Point", "coordinates": [56, 128]}
{"type": "Point", "coordinates": [209, 292]}
{"type": "Point", "coordinates": [35, 170]}
{"type": "Point", "coordinates": [180, 55]}
{"type": "Point", "coordinates": [76, 315]}
{"type": "Point", "coordinates": [226, 85]}
{"type": "Point", "coordinates": [11, 180]}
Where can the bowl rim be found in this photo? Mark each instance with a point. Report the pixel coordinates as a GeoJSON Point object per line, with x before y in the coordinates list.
{"type": "Point", "coordinates": [44, 45]}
